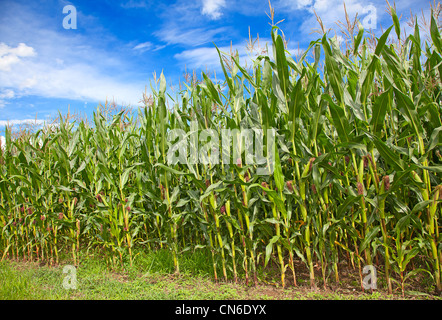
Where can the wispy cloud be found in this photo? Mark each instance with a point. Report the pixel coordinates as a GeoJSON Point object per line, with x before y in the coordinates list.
{"type": "Point", "coordinates": [133, 4]}
{"type": "Point", "coordinates": [144, 46]}
{"type": "Point", "coordinates": [192, 37]}
{"type": "Point", "coordinates": [205, 57]}
{"type": "Point", "coordinates": [147, 46]}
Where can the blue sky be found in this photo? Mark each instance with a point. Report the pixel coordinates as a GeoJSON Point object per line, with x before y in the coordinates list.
{"type": "Point", "coordinates": [118, 45]}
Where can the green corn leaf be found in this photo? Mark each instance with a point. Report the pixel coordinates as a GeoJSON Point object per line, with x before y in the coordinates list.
{"type": "Point", "coordinates": [358, 39]}
{"type": "Point", "coordinates": [174, 195]}
{"type": "Point", "coordinates": [226, 76]}
{"type": "Point", "coordinates": [392, 64]}
{"type": "Point", "coordinates": [297, 99]}
{"type": "Point", "coordinates": [272, 221]}
{"type": "Point", "coordinates": [269, 248]}
{"type": "Point", "coordinates": [281, 61]}
{"type": "Point", "coordinates": [416, 48]}
{"type": "Point", "coordinates": [413, 273]}
{"type": "Point", "coordinates": [73, 143]}
{"type": "Point", "coordinates": [437, 169]}
{"type": "Point", "coordinates": [274, 196]}
{"type": "Point", "coordinates": [210, 189]}
{"type": "Point", "coordinates": [410, 255]}
{"type": "Point", "coordinates": [279, 93]}
{"type": "Point", "coordinates": [421, 206]}
{"type": "Point", "coordinates": [125, 177]}
{"type": "Point", "coordinates": [177, 172]}
{"type": "Point", "coordinates": [279, 177]}
{"type": "Point", "coordinates": [435, 35]}
{"type": "Point", "coordinates": [339, 118]}
{"type": "Point", "coordinates": [245, 73]}
{"type": "Point", "coordinates": [333, 71]}
{"type": "Point", "coordinates": [380, 108]}
{"type": "Point", "coordinates": [317, 55]}
{"type": "Point", "coordinates": [267, 77]}
{"type": "Point", "coordinates": [22, 178]}
{"type": "Point", "coordinates": [369, 238]}
{"type": "Point", "coordinates": [368, 81]}
{"type": "Point", "coordinates": [316, 120]}
{"type": "Point", "coordinates": [81, 168]}
{"type": "Point", "coordinates": [349, 201]}
{"type": "Point", "coordinates": [434, 116]}
{"type": "Point", "coordinates": [382, 41]}
{"type": "Point", "coordinates": [63, 188]}
{"type": "Point", "coordinates": [407, 108]}
{"type": "Point", "coordinates": [387, 154]}
{"type": "Point", "coordinates": [435, 139]}
{"type": "Point", "coordinates": [397, 26]}
{"type": "Point", "coordinates": [403, 223]}
{"type": "Point", "coordinates": [213, 92]}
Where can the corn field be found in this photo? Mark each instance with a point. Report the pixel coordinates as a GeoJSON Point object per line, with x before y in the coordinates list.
{"type": "Point", "coordinates": [357, 168]}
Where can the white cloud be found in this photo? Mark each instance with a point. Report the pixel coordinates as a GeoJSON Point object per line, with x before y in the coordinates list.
{"type": "Point", "coordinates": [10, 55]}
{"type": "Point", "coordinates": [64, 70]}
{"type": "Point", "coordinates": [212, 8]}
{"type": "Point", "coordinates": [77, 81]}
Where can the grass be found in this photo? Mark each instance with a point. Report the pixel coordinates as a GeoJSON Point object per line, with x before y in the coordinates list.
{"type": "Point", "coordinates": [149, 278]}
